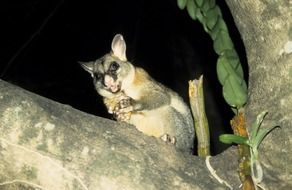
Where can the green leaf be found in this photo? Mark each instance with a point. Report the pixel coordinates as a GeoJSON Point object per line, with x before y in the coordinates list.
{"type": "Point", "coordinates": [234, 93]}
{"type": "Point", "coordinates": [229, 66]}
{"type": "Point", "coordinates": [257, 135]}
{"type": "Point", "coordinates": [234, 61]}
{"type": "Point", "coordinates": [229, 139]}
{"type": "Point", "coordinates": [222, 42]}
{"type": "Point", "coordinates": [181, 4]}
{"type": "Point", "coordinates": [209, 4]}
{"type": "Point", "coordinates": [199, 16]}
{"type": "Point", "coordinates": [220, 25]}
{"type": "Point", "coordinates": [222, 73]}
{"type": "Point", "coordinates": [261, 135]}
{"type": "Point", "coordinates": [212, 3]}
{"type": "Point", "coordinates": [256, 125]}
{"type": "Point", "coordinates": [212, 17]}
{"type": "Point", "coordinates": [234, 86]}
{"type": "Point", "coordinates": [206, 6]}
{"type": "Point", "coordinates": [192, 9]}
{"type": "Point", "coordinates": [200, 2]}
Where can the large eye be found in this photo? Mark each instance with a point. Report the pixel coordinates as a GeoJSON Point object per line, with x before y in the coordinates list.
{"type": "Point", "coordinates": [114, 66]}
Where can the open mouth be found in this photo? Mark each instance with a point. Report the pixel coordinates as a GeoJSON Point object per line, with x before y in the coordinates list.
{"type": "Point", "coordinates": [111, 84]}
{"type": "Point", "coordinates": [114, 88]}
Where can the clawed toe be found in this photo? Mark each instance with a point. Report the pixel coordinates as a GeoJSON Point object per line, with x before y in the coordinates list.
{"type": "Point", "coordinates": [168, 139]}
{"type": "Point", "coordinates": [124, 103]}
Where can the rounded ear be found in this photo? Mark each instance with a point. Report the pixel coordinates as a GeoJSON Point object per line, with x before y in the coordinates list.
{"type": "Point", "coordinates": [119, 47]}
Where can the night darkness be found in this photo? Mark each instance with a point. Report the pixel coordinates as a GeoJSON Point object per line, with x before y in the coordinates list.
{"type": "Point", "coordinates": [42, 40]}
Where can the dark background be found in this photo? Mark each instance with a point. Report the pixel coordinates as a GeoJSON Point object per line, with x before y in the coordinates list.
{"type": "Point", "coordinates": [42, 40]}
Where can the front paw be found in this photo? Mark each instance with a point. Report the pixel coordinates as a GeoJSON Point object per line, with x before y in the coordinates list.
{"type": "Point", "coordinates": [122, 116]}
{"type": "Point", "coordinates": [123, 106]}
{"type": "Point", "coordinates": [124, 103]}
{"type": "Point", "coordinates": [122, 111]}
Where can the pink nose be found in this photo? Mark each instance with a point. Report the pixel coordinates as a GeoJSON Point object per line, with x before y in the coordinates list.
{"type": "Point", "coordinates": [108, 81]}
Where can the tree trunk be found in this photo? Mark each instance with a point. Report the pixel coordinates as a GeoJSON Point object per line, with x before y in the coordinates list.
{"type": "Point", "coordinates": [47, 145]}
{"type": "Point", "coordinates": [266, 29]}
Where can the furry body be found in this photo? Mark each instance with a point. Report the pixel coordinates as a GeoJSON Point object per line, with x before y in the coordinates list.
{"type": "Point", "coordinates": [134, 97]}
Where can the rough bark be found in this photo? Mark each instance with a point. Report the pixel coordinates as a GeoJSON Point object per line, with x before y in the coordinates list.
{"type": "Point", "coordinates": [47, 145]}
{"type": "Point", "coordinates": [266, 30]}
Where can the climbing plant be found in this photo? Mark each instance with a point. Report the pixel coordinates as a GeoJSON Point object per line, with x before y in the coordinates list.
{"type": "Point", "coordinates": [231, 77]}
{"type": "Point", "coordinates": [229, 69]}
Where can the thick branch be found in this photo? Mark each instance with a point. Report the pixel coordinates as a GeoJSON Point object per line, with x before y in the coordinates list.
{"type": "Point", "coordinates": [47, 145]}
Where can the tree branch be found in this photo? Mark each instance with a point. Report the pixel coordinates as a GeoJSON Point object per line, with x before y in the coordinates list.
{"type": "Point", "coordinates": [47, 145]}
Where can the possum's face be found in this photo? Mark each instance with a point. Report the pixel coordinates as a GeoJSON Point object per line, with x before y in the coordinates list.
{"type": "Point", "coordinates": [112, 71]}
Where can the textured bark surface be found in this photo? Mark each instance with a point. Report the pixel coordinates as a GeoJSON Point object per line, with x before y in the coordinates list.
{"type": "Point", "coordinates": [47, 145]}
{"type": "Point", "coordinates": [266, 30]}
